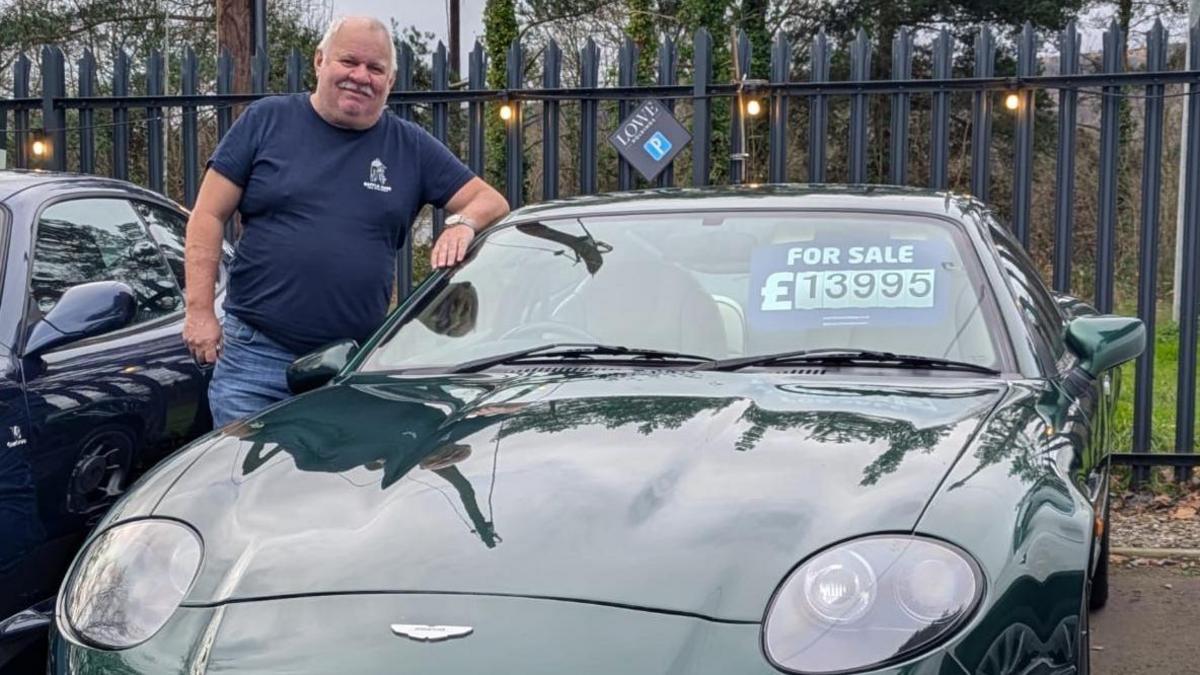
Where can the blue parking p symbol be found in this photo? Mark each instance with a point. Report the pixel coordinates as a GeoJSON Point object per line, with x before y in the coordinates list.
{"type": "Point", "coordinates": [658, 146]}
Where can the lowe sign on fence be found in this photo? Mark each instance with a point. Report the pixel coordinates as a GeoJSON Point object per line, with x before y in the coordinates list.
{"type": "Point", "coordinates": [650, 138]}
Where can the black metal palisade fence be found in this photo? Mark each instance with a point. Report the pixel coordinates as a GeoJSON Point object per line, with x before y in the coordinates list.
{"type": "Point", "coordinates": [1110, 82]}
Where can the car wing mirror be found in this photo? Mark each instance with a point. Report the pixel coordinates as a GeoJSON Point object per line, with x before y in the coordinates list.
{"type": "Point", "coordinates": [317, 368]}
{"type": "Point", "coordinates": [83, 311]}
{"type": "Point", "coordinates": [1104, 342]}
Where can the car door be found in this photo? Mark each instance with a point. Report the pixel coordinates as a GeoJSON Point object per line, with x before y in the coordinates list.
{"type": "Point", "coordinates": [20, 525]}
{"type": "Point", "coordinates": [103, 408]}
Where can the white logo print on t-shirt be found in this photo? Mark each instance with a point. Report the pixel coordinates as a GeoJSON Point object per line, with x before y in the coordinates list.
{"type": "Point", "coordinates": [378, 177]}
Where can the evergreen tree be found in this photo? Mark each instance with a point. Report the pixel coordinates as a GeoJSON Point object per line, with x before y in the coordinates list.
{"type": "Point", "coordinates": [499, 29]}
{"type": "Point", "coordinates": [641, 30]}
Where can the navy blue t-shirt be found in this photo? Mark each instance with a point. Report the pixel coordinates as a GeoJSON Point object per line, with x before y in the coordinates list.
{"type": "Point", "coordinates": [324, 211]}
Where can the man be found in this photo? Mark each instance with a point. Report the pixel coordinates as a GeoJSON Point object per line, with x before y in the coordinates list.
{"type": "Point", "coordinates": [327, 186]}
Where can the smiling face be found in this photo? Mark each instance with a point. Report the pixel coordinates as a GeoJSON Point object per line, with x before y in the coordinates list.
{"type": "Point", "coordinates": [354, 75]}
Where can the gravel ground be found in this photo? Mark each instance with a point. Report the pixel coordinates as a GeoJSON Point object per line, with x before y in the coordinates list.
{"type": "Point", "coordinates": [1144, 520]}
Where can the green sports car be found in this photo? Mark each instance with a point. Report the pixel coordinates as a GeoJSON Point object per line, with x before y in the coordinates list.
{"type": "Point", "coordinates": [710, 431]}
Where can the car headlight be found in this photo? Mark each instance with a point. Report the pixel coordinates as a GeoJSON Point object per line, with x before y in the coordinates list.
{"type": "Point", "coordinates": [128, 581]}
{"type": "Point", "coordinates": [870, 603]}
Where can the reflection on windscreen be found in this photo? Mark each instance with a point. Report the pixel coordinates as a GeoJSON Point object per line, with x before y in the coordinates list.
{"type": "Point", "coordinates": [718, 285]}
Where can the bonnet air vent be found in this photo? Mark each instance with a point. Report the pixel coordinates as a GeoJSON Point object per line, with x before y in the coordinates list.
{"type": "Point", "coordinates": [558, 369]}
{"type": "Point", "coordinates": [805, 371]}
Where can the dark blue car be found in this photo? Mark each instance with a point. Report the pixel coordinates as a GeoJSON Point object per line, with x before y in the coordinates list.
{"type": "Point", "coordinates": [95, 381]}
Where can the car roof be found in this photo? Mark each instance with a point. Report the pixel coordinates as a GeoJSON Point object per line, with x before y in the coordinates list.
{"type": "Point", "coordinates": [13, 181]}
{"type": "Point", "coordinates": [16, 181]}
{"type": "Point", "coordinates": [770, 196]}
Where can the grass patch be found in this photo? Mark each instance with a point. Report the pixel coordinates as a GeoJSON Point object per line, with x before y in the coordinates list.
{"type": "Point", "coordinates": [1163, 399]}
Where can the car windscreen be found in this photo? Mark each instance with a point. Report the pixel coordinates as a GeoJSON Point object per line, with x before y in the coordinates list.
{"type": "Point", "coordinates": [719, 285]}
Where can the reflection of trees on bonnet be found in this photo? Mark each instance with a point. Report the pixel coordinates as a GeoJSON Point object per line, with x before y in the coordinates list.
{"type": "Point", "coordinates": [649, 413]}
{"type": "Point", "coordinates": [824, 426]}
{"type": "Point", "coordinates": [654, 413]}
{"type": "Point", "coordinates": [1004, 438]}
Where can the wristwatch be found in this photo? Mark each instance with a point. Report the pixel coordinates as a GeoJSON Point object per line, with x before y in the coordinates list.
{"type": "Point", "coordinates": [460, 219]}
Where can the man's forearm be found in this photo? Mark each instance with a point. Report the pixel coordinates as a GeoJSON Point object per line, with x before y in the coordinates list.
{"type": "Point", "coordinates": [202, 259]}
{"type": "Point", "coordinates": [481, 214]}
{"type": "Point", "coordinates": [480, 203]}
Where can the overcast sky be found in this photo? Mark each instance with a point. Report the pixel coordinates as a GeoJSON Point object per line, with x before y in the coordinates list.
{"type": "Point", "coordinates": [426, 15]}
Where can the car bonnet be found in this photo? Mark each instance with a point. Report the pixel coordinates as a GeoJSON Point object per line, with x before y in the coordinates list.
{"type": "Point", "coordinates": [677, 491]}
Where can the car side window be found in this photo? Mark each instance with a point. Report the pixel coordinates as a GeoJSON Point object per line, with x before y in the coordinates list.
{"type": "Point", "coordinates": [1039, 310]}
{"type": "Point", "coordinates": [169, 229]}
{"type": "Point", "coordinates": [87, 240]}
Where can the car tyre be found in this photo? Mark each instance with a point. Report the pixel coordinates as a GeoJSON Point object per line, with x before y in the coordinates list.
{"type": "Point", "coordinates": [1099, 595]}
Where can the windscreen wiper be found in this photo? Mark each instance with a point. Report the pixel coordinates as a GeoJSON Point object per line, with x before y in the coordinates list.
{"type": "Point", "coordinates": [839, 356]}
{"type": "Point", "coordinates": [567, 350]}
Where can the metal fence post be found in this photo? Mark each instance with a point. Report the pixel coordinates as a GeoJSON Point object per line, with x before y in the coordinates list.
{"type": "Point", "coordinates": [939, 148]}
{"type": "Point", "coordinates": [191, 153]}
{"type": "Point", "coordinates": [477, 68]}
{"type": "Point", "coordinates": [1064, 182]}
{"type": "Point", "coordinates": [1185, 421]}
{"type": "Point", "coordinates": [87, 116]}
{"type": "Point", "coordinates": [818, 110]}
{"type": "Point", "coordinates": [981, 116]}
{"type": "Point", "coordinates": [514, 146]}
{"type": "Point", "coordinates": [588, 76]}
{"type": "Point", "coordinates": [1156, 60]}
{"type": "Point", "coordinates": [441, 119]}
{"type": "Point", "coordinates": [901, 70]}
{"type": "Point", "coordinates": [21, 116]}
{"type": "Point", "coordinates": [54, 119]}
{"type": "Point", "coordinates": [739, 158]}
{"type": "Point", "coordinates": [860, 71]}
{"type": "Point", "coordinates": [4, 132]}
{"type": "Point", "coordinates": [260, 71]}
{"type": "Point", "coordinates": [295, 71]}
{"type": "Point", "coordinates": [701, 108]}
{"type": "Point", "coordinates": [1022, 193]}
{"type": "Point", "coordinates": [1110, 141]}
{"type": "Point", "coordinates": [224, 88]}
{"type": "Point", "coordinates": [627, 59]}
{"type": "Point", "coordinates": [154, 122]}
{"type": "Point", "coordinates": [120, 129]}
{"type": "Point", "coordinates": [551, 79]}
{"type": "Point", "coordinates": [404, 81]}
{"type": "Point", "coordinates": [781, 61]}
{"type": "Point", "coordinates": [667, 77]}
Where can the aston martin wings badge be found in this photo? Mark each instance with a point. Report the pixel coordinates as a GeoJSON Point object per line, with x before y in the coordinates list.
{"type": "Point", "coordinates": [424, 633]}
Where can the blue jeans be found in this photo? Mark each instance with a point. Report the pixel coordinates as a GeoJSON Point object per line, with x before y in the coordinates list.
{"type": "Point", "coordinates": [250, 375]}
